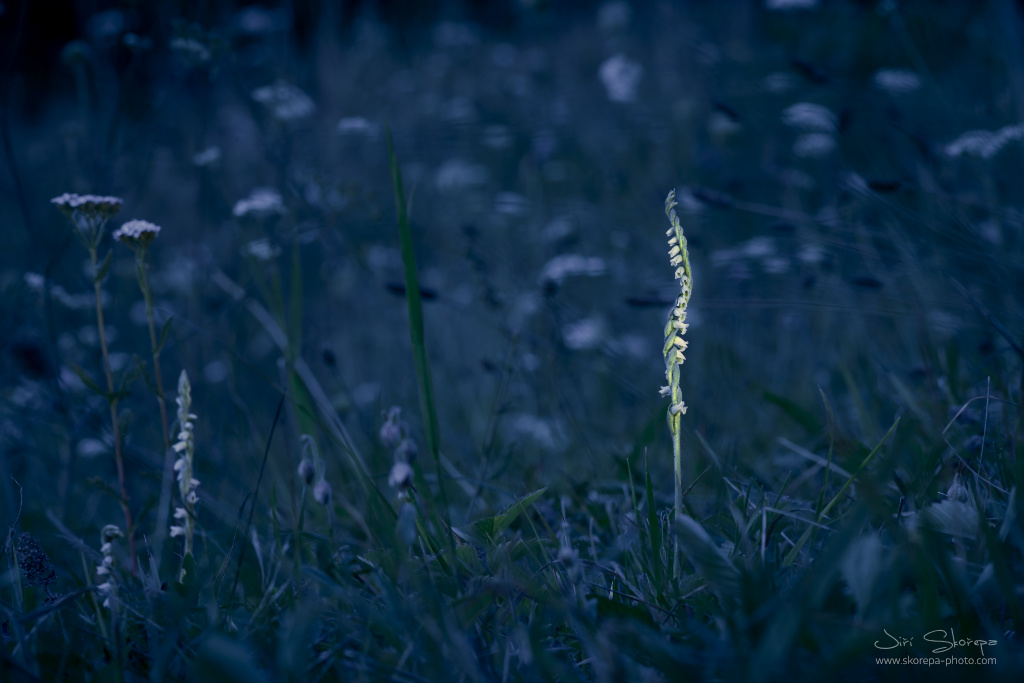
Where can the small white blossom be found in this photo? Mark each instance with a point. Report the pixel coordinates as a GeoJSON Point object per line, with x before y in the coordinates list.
{"type": "Point", "coordinates": [807, 116]}
{"type": "Point", "coordinates": [284, 101]}
{"type": "Point", "coordinates": [260, 203]}
{"type": "Point", "coordinates": [983, 143]}
{"type": "Point", "coordinates": [621, 77]}
{"type": "Point", "coordinates": [896, 81]}
{"type": "Point", "coordinates": [207, 157]}
{"type": "Point", "coordinates": [400, 476]}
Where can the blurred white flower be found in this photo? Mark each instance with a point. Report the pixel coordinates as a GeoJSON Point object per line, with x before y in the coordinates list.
{"type": "Point", "coordinates": [191, 50]}
{"type": "Point", "coordinates": [322, 492]}
{"type": "Point", "coordinates": [567, 265]}
{"type": "Point", "coordinates": [260, 203]}
{"type": "Point", "coordinates": [285, 101]}
{"type": "Point", "coordinates": [621, 77]}
{"type": "Point", "coordinates": [261, 250]}
{"type": "Point", "coordinates": [584, 334]}
{"type": "Point", "coordinates": [759, 247]}
{"type": "Point", "coordinates": [896, 80]}
{"type": "Point", "coordinates": [811, 253]}
{"type": "Point", "coordinates": [779, 82]}
{"type": "Point", "coordinates": [511, 204]}
{"type": "Point", "coordinates": [207, 157]}
{"type": "Point", "coordinates": [808, 116]}
{"type": "Point", "coordinates": [814, 145]}
{"type": "Point", "coordinates": [456, 174]}
{"type": "Point", "coordinates": [357, 125]}
{"type": "Point", "coordinates": [983, 143]}
{"type": "Point", "coordinates": [401, 476]}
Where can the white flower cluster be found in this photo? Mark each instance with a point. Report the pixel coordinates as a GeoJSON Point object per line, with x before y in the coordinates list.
{"type": "Point", "coordinates": [105, 571]}
{"type": "Point", "coordinates": [261, 202]}
{"type": "Point", "coordinates": [676, 327]}
{"type": "Point", "coordinates": [185, 448]}
{"type": "Point", "coordinates": [88, 214]}
{"type": "Point", "coordinates": [137, 233]}
{"type": "Point", "coordinates": [285, 101]}
{"type": "Point", "coordinates": [88, 204]}
{"type": "Point", "coordinates": [191, 50]}
{"type": "Point", "coordinates": [896, 81]}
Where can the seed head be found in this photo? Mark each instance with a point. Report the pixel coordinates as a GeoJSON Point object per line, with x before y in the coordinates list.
{"type": "Point", "coordinates": [34, 562]}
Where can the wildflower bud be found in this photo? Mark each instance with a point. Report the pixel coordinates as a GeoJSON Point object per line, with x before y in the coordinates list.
{"type": "Point", "coordinates": [401, 476]}
{"type": "Point", "coordinates": [307, 473]}
{"type": "Point", "coordinates": [391, 430]}
{"type": "Point", "coordinates": [322, 492]}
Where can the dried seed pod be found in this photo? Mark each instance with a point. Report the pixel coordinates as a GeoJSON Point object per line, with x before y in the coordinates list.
{"type": "Point", "coordinates": [34, 562]}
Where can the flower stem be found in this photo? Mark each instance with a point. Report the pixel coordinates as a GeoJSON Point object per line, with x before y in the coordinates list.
{"type": "Point", "coordinates": [112, 398]}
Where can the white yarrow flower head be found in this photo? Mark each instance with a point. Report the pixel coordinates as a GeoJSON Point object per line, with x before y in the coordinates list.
{"type": "Point", "coordinates": [284, 101]}
{"type": "Point", "coordinates": [185, 448]}
{"type": "Point", "coordinates": [261, 203]}
{"type": "Point", "coordinates": [137, 234]}
{"type": "Point", "coordinates": [88, 214]}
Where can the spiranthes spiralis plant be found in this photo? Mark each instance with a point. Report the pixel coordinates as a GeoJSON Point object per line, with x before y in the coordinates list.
{"type": "Point", "coordinates": [676, 327]}
{"type": "Point", "coordinates": [89, 215]}
{"type": "Point", "coordinates": [105, 571]}
{"type": "Point", "coordinates": [185, 516]}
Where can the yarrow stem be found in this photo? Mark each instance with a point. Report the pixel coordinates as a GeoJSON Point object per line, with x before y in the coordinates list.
{"type": "Point", "coordinates": [137, 236]}
{"type": "Point", "coordinates": [675, 345]}
{"type": "Point", "coordinates": [88, 215]}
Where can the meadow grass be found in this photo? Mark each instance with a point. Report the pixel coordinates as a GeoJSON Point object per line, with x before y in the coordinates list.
{"type": "Point", "coordinates": [844, 486]}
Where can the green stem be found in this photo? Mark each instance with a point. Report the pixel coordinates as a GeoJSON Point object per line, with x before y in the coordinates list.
{"type": "Point", "coordinates": [113, 406]}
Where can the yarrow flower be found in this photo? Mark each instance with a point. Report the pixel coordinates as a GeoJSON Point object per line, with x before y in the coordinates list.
{"type": "Point", "coordinates": [137, 234]}
{"type": "Point", "coordinates": [105, 570]}
{"type": "Point", "coordinates": [185, 515]}
{"type": "Point", "coordinates": [285, 101]}
{"type": "Point", "coordinates": [260, 203]}
{"type": "Point", "coordinates": [88, 214]}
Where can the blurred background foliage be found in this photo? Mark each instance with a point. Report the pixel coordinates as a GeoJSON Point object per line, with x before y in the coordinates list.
{"type": "Point", "coordinates": [848, 178]}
